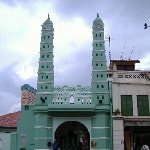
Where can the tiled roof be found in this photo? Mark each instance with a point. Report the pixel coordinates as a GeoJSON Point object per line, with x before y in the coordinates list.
{"type": "Point", "coordinates": [122, 62]}
{"type": "Point", "coordinates": [9, 120]}
{"type": "Point", "coordinates": [127, 61]}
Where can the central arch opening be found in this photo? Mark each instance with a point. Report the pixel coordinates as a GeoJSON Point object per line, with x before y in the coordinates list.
{"type": "Point", "coordinates": [72, 135]}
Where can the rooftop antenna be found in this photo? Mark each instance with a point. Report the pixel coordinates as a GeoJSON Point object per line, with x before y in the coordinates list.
{"type": "Point", "coordinates": [109, 40]}
{"type": "Point", "coordinates": [131, 53]}
{"type": "Point", "coordinates": [139, 55]}
{"type": "Point", "coordinates": [124, 47]}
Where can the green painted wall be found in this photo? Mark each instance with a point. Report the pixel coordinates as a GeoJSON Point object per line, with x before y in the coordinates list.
{"type": "Point", "coordinates": [43, 130]}
{"type": "Point", "coordinates": [13, 144]}
{"type": "Point", "coordinates": [5, 139]}
{"type": "Point", "coordinates": [25, 128]}
{"type": "Point", "coordinates": [100, 130]}
{"type": "Point", "coordinates": [53, 106]}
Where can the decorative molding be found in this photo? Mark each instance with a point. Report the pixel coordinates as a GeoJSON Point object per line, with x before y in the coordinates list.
{"type": "Point", "coordinates": [45, 72]}
{"type": "Point", "coordinates": [44, 116]}
{"type": "Point", "coordinates": [100, 127]}
{"type": "Point", "coordinates": [45, 82]}
{"type": "Point", "coordinates": [100, 138]}
{"type": "Point", "coordinates": [40, 62]}
{"type": "Point", "coordinates": [38, 127]}
{"type": "Point", "coordinates": [44, 93]}
{"type": "Point", "coordinates": [42, 138]}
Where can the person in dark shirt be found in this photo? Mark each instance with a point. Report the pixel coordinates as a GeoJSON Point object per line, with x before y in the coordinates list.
{"type": "Point", "coordinates": [55, 145]}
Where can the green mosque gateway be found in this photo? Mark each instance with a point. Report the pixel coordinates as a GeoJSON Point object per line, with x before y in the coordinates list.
{"type": "Point", "coordinates": [79, 117]}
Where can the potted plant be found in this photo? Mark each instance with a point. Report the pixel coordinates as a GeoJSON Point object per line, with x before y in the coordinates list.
{"type": "Point", "coordinates": [117, 112]}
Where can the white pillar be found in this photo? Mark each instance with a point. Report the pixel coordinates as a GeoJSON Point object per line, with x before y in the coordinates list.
{"type": "Point", "coordinates": [118, 133]}
{"type": "Point", "coordinates": [135, 110]}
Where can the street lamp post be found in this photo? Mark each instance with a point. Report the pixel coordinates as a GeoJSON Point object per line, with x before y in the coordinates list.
{"type": "Point", "coordinates": [146, 26]}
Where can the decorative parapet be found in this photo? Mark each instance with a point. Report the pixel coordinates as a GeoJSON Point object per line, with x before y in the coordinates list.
{"type": "Point", "coordinates": [72, 95]}
{"type": "Point", "coordinates": [146, 75]}
{"type": "Point", "coordinates": [28, 95]}
{"type": "Point", "coordinates": [28, 88]}
{"type": "Point", "coordinates": [61, 95]}
{"type": "Point", "coordinates": [137, 76]}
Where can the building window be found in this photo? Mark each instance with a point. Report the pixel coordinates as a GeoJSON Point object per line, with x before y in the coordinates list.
{"type": "Point", "coordinates": [97, 86]}
{"type": "Point", "coordinates": [42, 56]}
{"type": "Point", "coordinates": [126, 105]}
{"type": "Point", "coordinates": [44, 37]}
{"type": "Point", "coordinates": [97, 97]}
{"type": "Point", "coordinates": [48, 36]}
{"type": "Point", "coordinates": [102, 97]}
{"type": "Point", "coordinates": [96, 64]}
{"type": "Point", "coordinates": [100, 101]}
{"type": "Point", "coordinates": [46, 87]}
{"type": "Point", "coordinates": [72, 99]}
{"type": "Point", "coordinates": [48, 45]}
{"type": "Point", "coordinates": [47, 56]}
{"type": "Point", "coordinates": [101, 64]}
{"type": "Point", "coordinates": [100, 44]}
{"type": "Point", "coordinates": [97, 75]}
{"type": "Point", "coordinates": [101, 75]}
{"type": "Point", "coordinates": [26, 107]}
{"type": "Point", "coordinates": [101, 54]}
{"type": "Point", "coordinates": [96, 35]}
{"type": "Point", "coordinates": [96, 54]}
{"type": "Point", "coordinates": [96, 44]}
{"type": "Point", "coordinates": [143, 105]}
{"type": "Point", "coordinates": [47, 77]}
{"type": "Point", "coordinates": [42, 66]}
{"type": "Point", "coordinates": [43, 46]}
{"type": "Point", "coordinates": [100, 35]}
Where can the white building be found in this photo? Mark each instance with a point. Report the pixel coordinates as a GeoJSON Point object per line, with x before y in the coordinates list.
{"type": "Point", "coordinates": [131, 105]}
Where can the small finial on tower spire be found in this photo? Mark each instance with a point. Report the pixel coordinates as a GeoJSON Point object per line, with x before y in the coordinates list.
{"type": "Point", "coordinates": [97, 15]}
{"type": "Point", "coordinates": [48, 15]}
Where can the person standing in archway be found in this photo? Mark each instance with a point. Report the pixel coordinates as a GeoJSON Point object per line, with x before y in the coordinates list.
{"type": "Point", "coordinates": [145, 147]}
{"type": "Point", "coordinates": [84, 143]}
{"type": "Point", "coordinates": [55, 145]}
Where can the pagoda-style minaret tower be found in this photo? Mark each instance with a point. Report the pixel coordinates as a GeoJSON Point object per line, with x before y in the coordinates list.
{"type": "Point", "coordinates": [99, 71]}
{"type": "Point", "coordinates": [100, 122]}
{"type": "Point", "coordinates": [45, 85]}
{"type": "Point", "coordinates": [45, 82]}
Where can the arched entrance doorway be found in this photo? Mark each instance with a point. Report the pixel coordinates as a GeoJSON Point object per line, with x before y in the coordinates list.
{"type": "Point", "coordinates": [72, 135]}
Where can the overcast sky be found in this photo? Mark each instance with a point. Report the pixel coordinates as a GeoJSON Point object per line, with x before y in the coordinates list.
{"type": "Point", "coordinates": [20, 31]}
